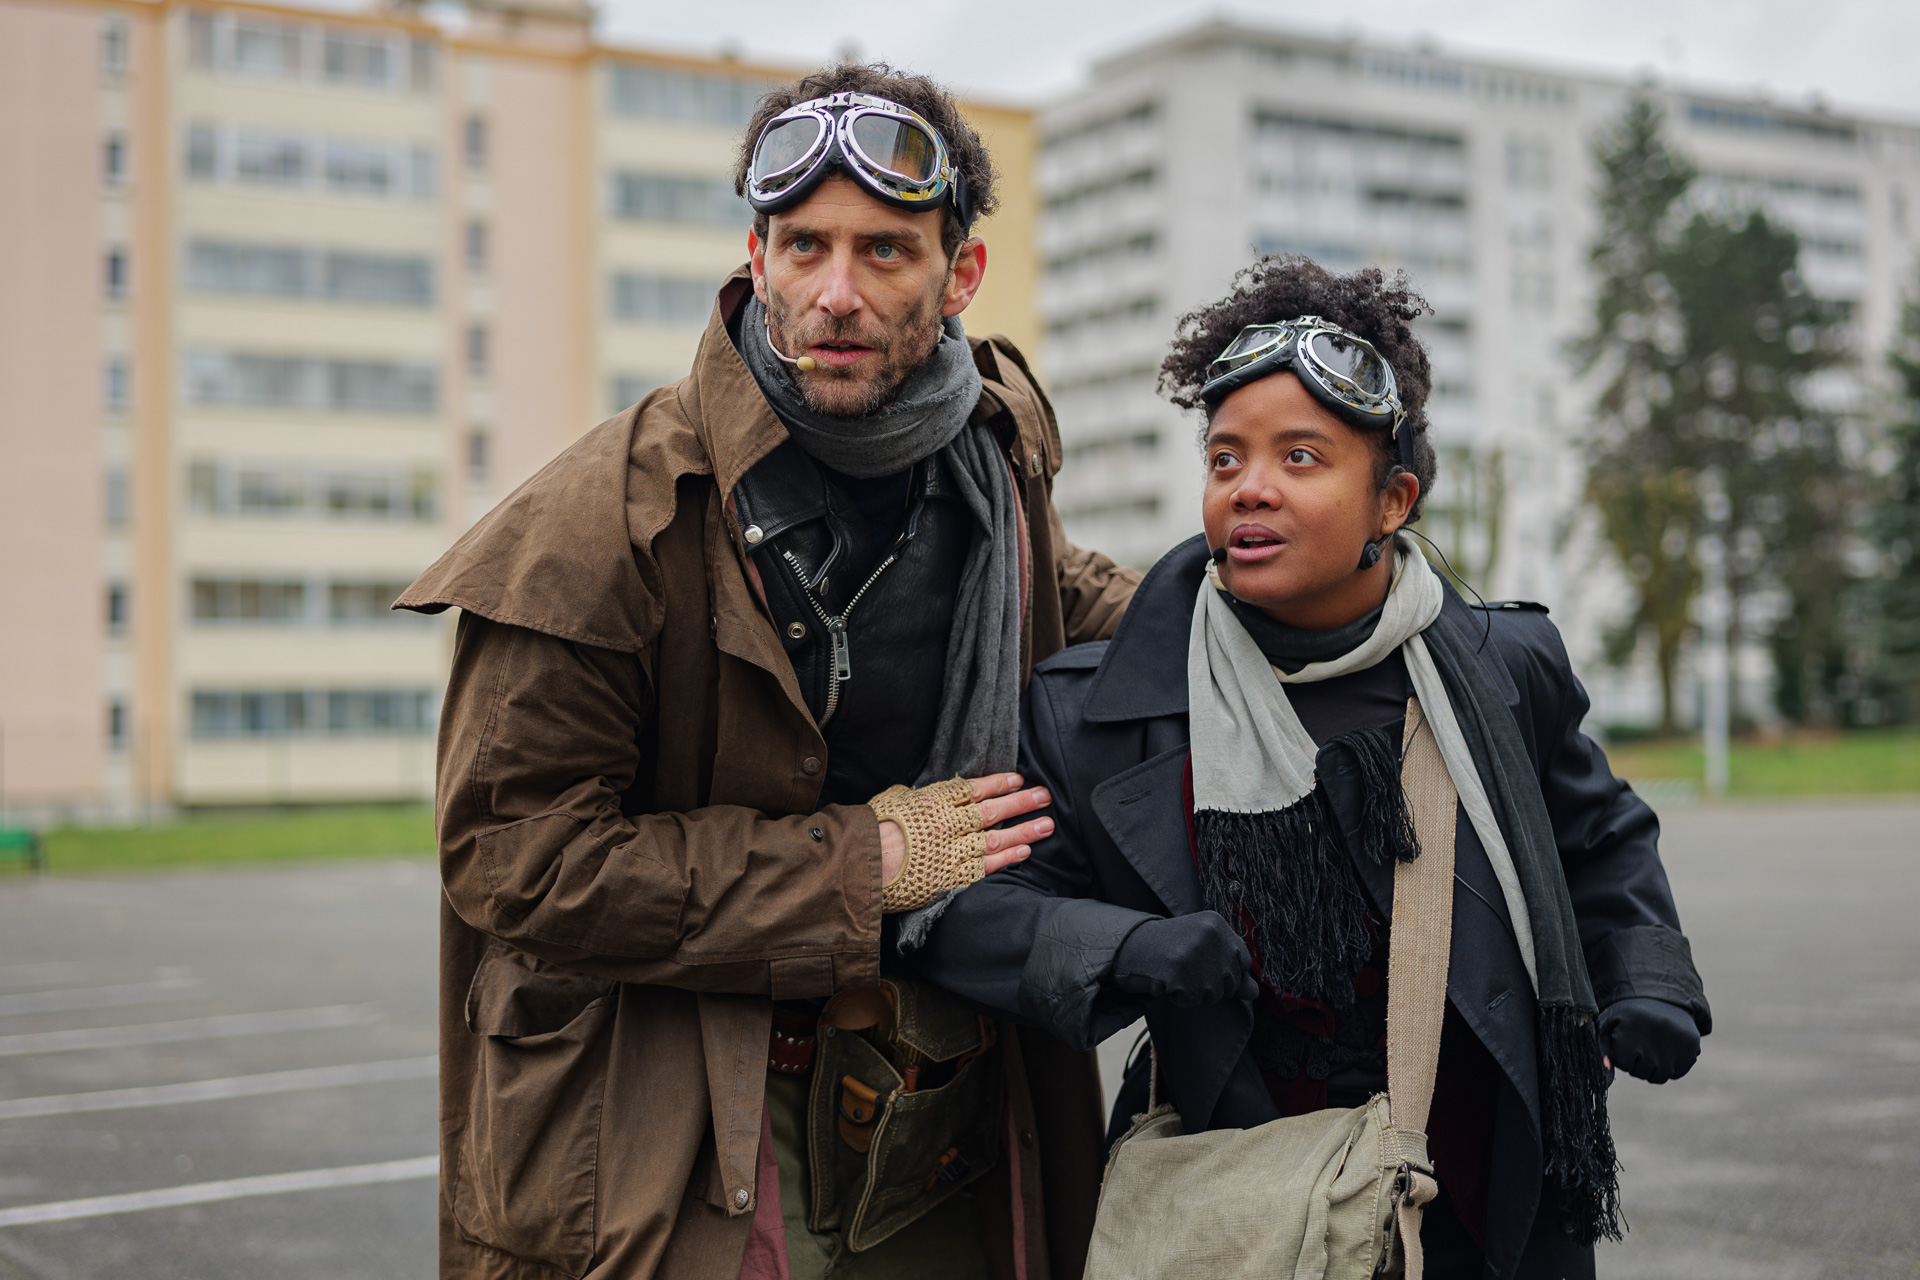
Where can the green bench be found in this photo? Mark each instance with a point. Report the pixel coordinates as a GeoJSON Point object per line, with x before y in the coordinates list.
{"type": "Point", "coordinates": [18, 842]}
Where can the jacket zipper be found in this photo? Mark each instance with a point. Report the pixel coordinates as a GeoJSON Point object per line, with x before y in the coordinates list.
{"type": "Point", "coordinates": [842, 668]}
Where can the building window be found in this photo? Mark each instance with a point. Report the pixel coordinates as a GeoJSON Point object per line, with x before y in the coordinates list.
{"type": "Point", "coordinates": [119, 498]}
{"type": "Point", "coordinates": [355, 58]}
{"type": "Point", "coordinates": [270, 159]}
{"type": "Point", "coordinates": [248, 600]}
{"type": "Point", "coordinates": [203, 152]}
{"type": "Point", "coordinates": [115, 272]}
{"type": "Point", "coordinates": [224, 266]}
{"type": "Point", "coordinates": [113, 159]}
{"type": "Point", "coordinates": [420, 65]}
{"type": "Point", "coordinates": [651, 299]}
{"type": "Point", "coordinates": [474, 136]}
{"type": "Point", "coordinates": [117, 730]}
{"type": "Point", "coordinates": [369, 604]}
{"type": "Point", "coordinates": [1529, 164]}
{"type": "Point", "coordinates": [257, 491]}
{"type": "Point", "coordinates": [114, 48]}
{"type": "Point", "coordinates": [478, 444]}
{"type": "Point", "coordinates": [117, 386]}
{"type": "Point", "coordinates": [358, 168]}
{"type": "Point", "coordinates": [477, 353]}
{"type": "Point", "coordinates": [659, 197]}
{"type": "Point", "coordinates": [628, 389]}
{"type": "Point", "coordinates": [203, 49]}
{"type": "Point", "coordinates": [672, 95]}
{"type": "Point", "coordinates": [283, 713]}
{"type": "Point", "coordinates": [296, 382]}
{"type": "Point", "coordinates": [116, 608]}
{"type": "Point", "coordinates": [261, 47]}
{"type": "Point", "coordinates": [476, 246]}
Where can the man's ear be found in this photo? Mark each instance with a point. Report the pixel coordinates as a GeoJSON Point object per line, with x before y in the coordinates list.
{"type": "Point", "coordinates": [969, 270]}
{"type": "Point", "coordinates": [757, 265]}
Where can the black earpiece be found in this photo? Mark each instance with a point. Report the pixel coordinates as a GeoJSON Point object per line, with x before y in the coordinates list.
{"type": "Point", "coordinates": [1371, 553]}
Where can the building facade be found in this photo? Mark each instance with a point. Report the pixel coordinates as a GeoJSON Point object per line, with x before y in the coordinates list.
{"type": "Point", "coordinates": [294, 296]}
{"type": "Point", "coordinates": [1181, 160]}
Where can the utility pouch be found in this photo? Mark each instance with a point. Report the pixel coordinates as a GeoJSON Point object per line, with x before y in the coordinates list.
{"type": "Point", "coordinates": [905, 1108]}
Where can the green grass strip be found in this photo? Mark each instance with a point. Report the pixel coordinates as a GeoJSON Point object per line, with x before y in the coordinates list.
{"type": "Point", "coordinates": [292, 836]}
{"type": "Point", "coordinates": [1863, 762]}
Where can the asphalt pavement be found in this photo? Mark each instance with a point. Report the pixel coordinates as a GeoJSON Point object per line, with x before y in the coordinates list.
{"type": "Point", "coordinates": [229, 1074]}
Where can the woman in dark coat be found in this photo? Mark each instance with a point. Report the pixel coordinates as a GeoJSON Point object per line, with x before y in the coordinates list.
{"type": "Point", "coordinates": [1225, 787]}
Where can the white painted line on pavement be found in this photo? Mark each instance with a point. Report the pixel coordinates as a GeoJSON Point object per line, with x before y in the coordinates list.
{"type": "Point", "coordinates": [167, 1095]}
{"type": "Point", "coordinates": [94, 997]}
{"type": "Point", "coordinates": [217, 1027]}
{"type": "Point", "coordinates": [354, 1175]}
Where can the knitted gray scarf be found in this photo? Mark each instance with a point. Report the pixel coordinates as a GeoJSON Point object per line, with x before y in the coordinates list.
{"type": "Point", "coordinates": [1268, 851]}
{"type": "Point", "coordinates": [978, 728]}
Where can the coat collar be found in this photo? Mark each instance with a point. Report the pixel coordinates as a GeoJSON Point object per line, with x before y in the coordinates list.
{"type": "Point", "coordinates": [1144, 672]}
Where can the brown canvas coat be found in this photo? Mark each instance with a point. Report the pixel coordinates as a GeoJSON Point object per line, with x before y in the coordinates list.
{"type": "Point", "coordinates": [635, 866]}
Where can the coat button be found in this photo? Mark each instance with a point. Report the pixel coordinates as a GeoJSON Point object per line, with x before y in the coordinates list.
{"type": "Point", "coordinates": [810, 766]}
{"type": "Point", "coordinates": [754, 534]}
{"type": "Point", "coordinates": [740, 1198]}
{"type": "Point", "coordinates": [1026, 1138]}
{"type": "Point", "coordinates": [1036, 464]}
{"type": "Point", "coordinates": [796, 631]}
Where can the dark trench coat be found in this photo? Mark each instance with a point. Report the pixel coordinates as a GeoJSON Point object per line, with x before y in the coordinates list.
{"type": "Point", "coordinates": [1105, 728]}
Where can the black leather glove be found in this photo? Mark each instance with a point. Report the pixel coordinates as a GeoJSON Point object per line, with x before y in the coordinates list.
{"type": "Point", "coordinates": [1650, 1038]}
{"type": "Point", "coordinates": [1187, 961]}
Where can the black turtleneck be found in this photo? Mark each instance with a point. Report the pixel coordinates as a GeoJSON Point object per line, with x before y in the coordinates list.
{"type": "Point", "coordinates": [1329, 708]}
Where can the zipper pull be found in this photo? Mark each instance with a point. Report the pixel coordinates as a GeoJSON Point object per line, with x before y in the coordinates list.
{"type": "Point", "coordinates": [842, 651]}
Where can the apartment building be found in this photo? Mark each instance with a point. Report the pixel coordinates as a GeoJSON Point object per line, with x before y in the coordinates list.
{"type": "Point", "coordinates": [1182, 159]}
{"type": "Point", "coordinates": [294, 296]}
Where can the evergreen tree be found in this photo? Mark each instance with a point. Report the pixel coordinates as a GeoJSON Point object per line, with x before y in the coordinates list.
{"type": "Point", "coordinates": [1893, 527]}
{"type": "Point", "coordinates": [1639, 478]}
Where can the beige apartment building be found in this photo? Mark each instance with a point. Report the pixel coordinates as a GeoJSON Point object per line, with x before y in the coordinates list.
{"type": "Point", "coordinates": [288, 298]}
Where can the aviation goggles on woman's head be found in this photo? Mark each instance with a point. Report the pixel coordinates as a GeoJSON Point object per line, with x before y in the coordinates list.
{"type": "Point", "coordinates": [891, 151]}
{"type": "Point", "coordinates": [1341, 370]}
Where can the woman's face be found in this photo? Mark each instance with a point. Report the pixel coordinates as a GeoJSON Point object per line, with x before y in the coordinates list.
{"type": "Point", "coordinates": [1291, 495]}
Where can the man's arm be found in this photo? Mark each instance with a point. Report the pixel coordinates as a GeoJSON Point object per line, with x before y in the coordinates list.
{"type": "Point", "coordinates": [1094, 591]}
{"type": "Point", "coordinates": [540, 741]}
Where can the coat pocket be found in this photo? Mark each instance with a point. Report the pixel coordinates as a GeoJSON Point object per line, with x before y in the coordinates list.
{"type": "Point", "coordinates": [528, 1159]}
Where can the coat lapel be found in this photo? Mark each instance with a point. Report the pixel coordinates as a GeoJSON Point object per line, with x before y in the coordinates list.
{"type": "Point", "coordinates": [1144, 811]}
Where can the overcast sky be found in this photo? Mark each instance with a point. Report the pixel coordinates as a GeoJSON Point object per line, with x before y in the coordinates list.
{"type": "Point", "coordinates": [1858, 53]}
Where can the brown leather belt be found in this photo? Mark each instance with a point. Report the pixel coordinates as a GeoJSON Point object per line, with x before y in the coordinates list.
{"type": "Point", "coordinates": [791, 1045]}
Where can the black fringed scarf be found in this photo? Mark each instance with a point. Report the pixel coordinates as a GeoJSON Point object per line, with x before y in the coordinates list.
{"type": "Point", "coordinates": [1269, 846]}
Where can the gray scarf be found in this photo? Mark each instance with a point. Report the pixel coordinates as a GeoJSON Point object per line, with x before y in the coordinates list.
{"type": "Point", "coordinates": [1267, 853]}
{"type": "Point", "coordinates": [978, 728]}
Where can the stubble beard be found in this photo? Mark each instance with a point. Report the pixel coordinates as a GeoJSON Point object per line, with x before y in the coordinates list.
{"type": "Point", "coordinates": [856, 392]}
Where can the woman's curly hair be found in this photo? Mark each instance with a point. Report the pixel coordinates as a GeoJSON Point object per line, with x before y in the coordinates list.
{"type": "Point", "coordinates": [1366, 302]}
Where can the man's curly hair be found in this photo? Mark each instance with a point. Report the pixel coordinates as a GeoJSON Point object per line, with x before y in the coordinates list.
{"type": "Point", "coordinates": [917, 94]}
{"type": "Point", "coordinates": [1367, 302]}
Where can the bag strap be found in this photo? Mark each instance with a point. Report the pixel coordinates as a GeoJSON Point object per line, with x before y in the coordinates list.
{"type": "Point", "coordinates": [1419, 942]}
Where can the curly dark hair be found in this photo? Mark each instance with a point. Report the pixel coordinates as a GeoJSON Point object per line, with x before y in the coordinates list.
{"type": "Point", "coordinates": [1367, 302]}
{"type": "Point", "coordinates": [917, 94]}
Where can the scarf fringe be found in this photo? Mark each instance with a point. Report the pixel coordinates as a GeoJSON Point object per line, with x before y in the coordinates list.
{"type": "Point", "coordinates": [1386, 822]}
{"type": "Point", "coordinates": [1581, 1164]}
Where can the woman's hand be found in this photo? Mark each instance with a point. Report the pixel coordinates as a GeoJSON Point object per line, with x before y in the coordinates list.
{"type": "Point", "coordinates": [1188, 961]}
{"type": "Point", "coordinates": [949, 846]}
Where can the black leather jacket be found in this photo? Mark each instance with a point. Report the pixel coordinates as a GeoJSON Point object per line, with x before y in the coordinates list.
{"type": "Point", "coordinates": [1104, 727]}
{"type": "Point", "coordinates": [864, 616]}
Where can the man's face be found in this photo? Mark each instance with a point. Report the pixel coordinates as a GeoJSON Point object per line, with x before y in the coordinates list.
{"type": "Point", "coordinates": [862, 288]}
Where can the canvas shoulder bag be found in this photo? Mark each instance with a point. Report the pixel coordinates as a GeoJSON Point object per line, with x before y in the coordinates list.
{"type": "Point", "coordinates": [1332, 1195]}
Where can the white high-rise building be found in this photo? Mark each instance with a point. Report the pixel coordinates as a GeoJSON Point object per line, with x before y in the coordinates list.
{"type": "Point", "coordinates": [1183, 159]}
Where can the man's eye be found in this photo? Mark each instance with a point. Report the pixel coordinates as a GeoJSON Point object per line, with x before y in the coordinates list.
{"type": "Point", "coordinates": [803, 245]}
{"type": "Point", "coordinates": [887, 252]}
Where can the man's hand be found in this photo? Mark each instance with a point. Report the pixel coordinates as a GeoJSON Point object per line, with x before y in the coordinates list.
{"type": "Point", "coordinates": [1649, 1038]}
{"type": "Point", "coordinates": [1189, 961]}
{"type": "Point", "coordinates": [949, 848]}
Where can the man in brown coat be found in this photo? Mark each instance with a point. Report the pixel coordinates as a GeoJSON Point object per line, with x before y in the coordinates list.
{"type": "Point", "coordinates": [814, 573]}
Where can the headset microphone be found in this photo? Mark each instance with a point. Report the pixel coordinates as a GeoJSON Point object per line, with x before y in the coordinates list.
{"type": "Point", "coordinates": [805, 364]}
{"type": "Point", "coordinates": [1219, 555]}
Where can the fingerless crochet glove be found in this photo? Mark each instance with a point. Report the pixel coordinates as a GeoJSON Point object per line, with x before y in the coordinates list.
{"type": "Point", "coordinates": [945, 846]}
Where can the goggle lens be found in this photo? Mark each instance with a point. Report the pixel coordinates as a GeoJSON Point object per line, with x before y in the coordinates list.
{"type": "Point", "coordinates": [1250, 344]}
{"type": "Point", "coordinates": [784, 145]}
{"type": "Point", "coordinates": [896, 146]}
{"type": "Point", "coordinates": [1357, 365]}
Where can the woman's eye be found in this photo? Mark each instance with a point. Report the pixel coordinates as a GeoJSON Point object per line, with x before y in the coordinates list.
{"type": "Point", "coordinates": [1299, 457]}
{"type": "Point", "coordinates": [1223, 460]}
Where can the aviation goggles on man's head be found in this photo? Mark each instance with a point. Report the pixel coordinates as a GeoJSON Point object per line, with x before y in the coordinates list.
{"type": "Point", "coordinates": [891, 151]}
{"type": "Point", "coordinates": [1341, 370]}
